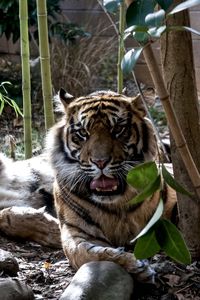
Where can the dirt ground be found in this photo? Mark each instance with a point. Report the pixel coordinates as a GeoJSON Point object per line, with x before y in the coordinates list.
{"type": "Point", "coordinates": [48, 273]}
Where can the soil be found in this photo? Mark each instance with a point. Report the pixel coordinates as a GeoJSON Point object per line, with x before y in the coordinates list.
{"type": "Point", "coordinates": [47, 272]}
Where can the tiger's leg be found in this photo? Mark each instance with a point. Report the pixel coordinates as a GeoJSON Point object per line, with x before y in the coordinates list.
{"type": "Point", "coordinates": [81, 248]}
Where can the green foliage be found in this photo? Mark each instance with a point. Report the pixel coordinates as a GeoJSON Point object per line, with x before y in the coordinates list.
{"type": "Point", "coordinates": [146, 23]}
{"type": "Point", "coordinates": [165, 4]}
{"type": "Point", "coordinates": [144, 178]}
{"type": "Point", "coordinates": [171, 241]}
{"type": "Point", "coordinates": [174, 184]}
{"type": "Point", "coordinates": [185, 5]}
{"type": "Point", "coordinates": [155, 19]}
{"type": "Point", "coordinates": [111, 5]}
{"type": "Point", "coordinates": [129, 60]}
{"type": "Point", "coordinates": [166, 237]}
{"type": "Point", "coordinates": [158, 116]}
{"type": "Point", "coordinates": [158, 233]}
{"type": "Point", "coordinates": [147, 246]}
{"type": "Point", "coordinates": [156, 216]}
{"type": "Point", "coordinates": [5, 99]}
{"type": "Point", "coordinates": [10, 21]}
{"type": "Point", "coordinates": [68, 32]}
{"type": "Point", "coordinates": [140, 176]}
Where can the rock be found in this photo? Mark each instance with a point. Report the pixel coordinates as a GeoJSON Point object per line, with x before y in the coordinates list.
{"type": "Point", "coordinates": [101, 280]}
{"type": "Point", "coordinates": [8, 264]}
{"type": "Point", "coordinates": [14, 289]}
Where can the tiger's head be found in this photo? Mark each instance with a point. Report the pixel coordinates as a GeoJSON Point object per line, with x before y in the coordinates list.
{"type": "Point", "coordinates": [101, 137]}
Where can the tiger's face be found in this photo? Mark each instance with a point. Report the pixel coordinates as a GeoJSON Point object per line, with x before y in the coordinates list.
{"type": "Point", "coordinates": [100, 139]}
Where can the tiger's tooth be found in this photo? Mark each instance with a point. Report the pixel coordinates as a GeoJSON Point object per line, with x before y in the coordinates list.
{"type": "Point", "coordinates": [114, 188]}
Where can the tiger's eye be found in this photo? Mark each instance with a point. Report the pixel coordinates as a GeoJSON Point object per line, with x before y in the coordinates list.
{"type": "Point", "coordinates": [82, 132]}
{"type": "Point", "coordinates": [118, 129]}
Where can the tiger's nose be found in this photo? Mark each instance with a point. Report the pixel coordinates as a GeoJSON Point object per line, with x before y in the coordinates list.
{"type": "Point", "coordinates": [100, 163]}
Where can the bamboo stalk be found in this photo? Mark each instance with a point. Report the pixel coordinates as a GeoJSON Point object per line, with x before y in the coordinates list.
{"type": "Point", "coordinates": [45, 63]}
{"type": "Point", "coordinates": [26, 86]}
{"type": "Point", "coordinates": [120, 47]}
{"type": "Point", "coordinates": [171, 117]}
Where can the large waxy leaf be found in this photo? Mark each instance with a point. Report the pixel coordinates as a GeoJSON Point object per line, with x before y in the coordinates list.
{"type": "Point", "coordinates": [129, 60]}
{"type": "Point", "coordinates": [136, 14]}
{"type": "Point", "coordinates": [135, 29]}
{"type": "Point", "coordinates": [165, 4]}
{"type": "Point", "coordinates": [156, 216]}
{"type": "Point", "coordinates": [138, 10]}
{"type": "Point", "coordinates": [171, 241]}
{"type": "Point", "coordinates": [185, 5]}
{"type": "Point", "coordinates": [173, 183]}
{"type": "Point", "coordinates": [147, 191]}
{"type": "Point", "coordinates": [157, 32]}
{"type": "Point", "coordinates": [147, 245]}
{"type": "Point", "coordinates": [140, 176]}
{"type": "Point", "coordinates": [155, 19]}
{"type": "Point", "coordinates": [183, 28]}
{"type": "Point", "coordinates": [111, 5]}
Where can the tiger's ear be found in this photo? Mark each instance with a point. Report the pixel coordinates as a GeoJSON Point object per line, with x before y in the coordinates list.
{"type": "Point", "coordinates": [138, 104]}
{"type": "Point", "coordinates": [65, 98]}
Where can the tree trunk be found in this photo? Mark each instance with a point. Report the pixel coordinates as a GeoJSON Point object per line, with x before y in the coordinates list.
{"type": "Point", "coordinates": [179, 74]}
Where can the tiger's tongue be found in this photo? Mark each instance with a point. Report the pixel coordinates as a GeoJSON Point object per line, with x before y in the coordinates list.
{"type": "Point", "coordinates": [104, 183]}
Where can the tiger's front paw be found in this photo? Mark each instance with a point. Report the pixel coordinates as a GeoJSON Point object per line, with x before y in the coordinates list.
{"type": "Point", "coordinates": [144, 272]}
{"type": "Point", "coordinates": [141, 269]}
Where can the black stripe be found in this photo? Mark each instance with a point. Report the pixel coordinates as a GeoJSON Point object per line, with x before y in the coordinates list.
{"type": "Point", "coordinates": [109, 107]}
{"type": "Point", "coordinates": [92, 108]}
{"type": "Point", "coordinates": [93, 100]}
{"type": "Point", "coordinates": [145, 136]}
{"type": "Point", "coordinates": [103, 207]}
{"type": "Point", "coordinates": [134, 207]}
{"type": "Point", "coordinates": [71, 122]}
{"type": "Point", "coordinates": [137, 132]}
{"type": "Point", "coordinates": [83, 231]}
{"type": "Point", "coordinates": [98, 97]}
{"type": "Point", "coordinates": [61, 149]}
{"type": "Point", "coordinates": [80, 211]}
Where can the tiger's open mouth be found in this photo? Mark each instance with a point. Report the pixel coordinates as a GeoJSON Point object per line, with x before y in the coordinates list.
{"type": "Point", "coordinates": [105, 185]}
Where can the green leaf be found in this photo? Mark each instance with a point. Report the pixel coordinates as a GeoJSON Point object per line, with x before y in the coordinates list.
{"type": "Point", "coordinates": [171, 241]}
{"type": "Point", "coordinates": [173, 183]}
{"type": "Point", "coordinates": [165, 4]}
{"type": "Point", "coordinates": [147, 192]}
{"type": "Point", "coordinates": [157, 32]}
{"type": "Point", "coordinates": [155, 19]}
{"type": "Point", "coordinates": [140, 176]}
{"type": "Point", "coordinates": [156, 216]}
{"type": "Point", "coordinates": [136, 14]}
{"type": "Point", "coordinates": [129, 60]}
{"type": "Point", "coordinates": [147, 245]}
{"type": "Point", "coordinates": [141, 37]}
{"type": "Point", "coordinates": [111, 5]}
{"type": "Point", "coordinates": [136, 28]}
{"type": "Point", "coordinates": [182, 28]}
{"type": "Point", "coordinates": [185, 5]}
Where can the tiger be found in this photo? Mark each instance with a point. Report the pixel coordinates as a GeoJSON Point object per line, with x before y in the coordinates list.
{"type": "Point", "coordinates": [25, 183]}
{"type": "Point", "coordinates": [100, 138]}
